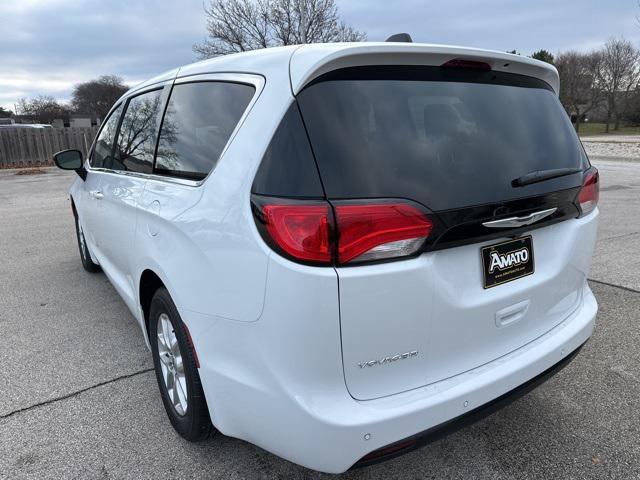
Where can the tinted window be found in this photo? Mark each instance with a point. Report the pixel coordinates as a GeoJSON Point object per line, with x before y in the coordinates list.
{"type": "Point", "coordinates": [198, 122]}
{"type": "Point", "coordinates": [447, 140]}
{"type": "Point", "coordinates": [288, 168]}
{"type": "Point", "coordinates": [138, 133]}
{"type": "Point", "coordinates": [101, 154]}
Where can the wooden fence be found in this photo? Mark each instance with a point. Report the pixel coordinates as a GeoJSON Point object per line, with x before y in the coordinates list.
{"type": "Point", "coordinates": [26, 147]}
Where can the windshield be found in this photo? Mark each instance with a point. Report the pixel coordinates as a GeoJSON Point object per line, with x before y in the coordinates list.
{"type": "Point", "coordinates": [447, 139]}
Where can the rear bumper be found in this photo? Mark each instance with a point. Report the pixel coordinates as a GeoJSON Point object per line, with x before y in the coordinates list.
{"type": "Point", "coordinates": [320, 426]}
{"type": "Point", "coordinates": [434, 433]}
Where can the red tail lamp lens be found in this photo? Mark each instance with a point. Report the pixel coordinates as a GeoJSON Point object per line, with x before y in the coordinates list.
{"type": "Point", "coordinates": [377, 231]}
{"type": "Point", "coordinates": [302, 231]}
{"type": "Point", "coordinates": [364, 231]}
{"type": "Point", "coordinates": [590, 192]}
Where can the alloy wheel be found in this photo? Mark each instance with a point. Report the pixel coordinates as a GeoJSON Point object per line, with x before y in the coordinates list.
{"type": "Point", "coordinates": [172, 365]}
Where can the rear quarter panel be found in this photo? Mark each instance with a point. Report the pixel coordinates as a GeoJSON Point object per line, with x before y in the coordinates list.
{"type": "Point", "coordinates": [203, 238]}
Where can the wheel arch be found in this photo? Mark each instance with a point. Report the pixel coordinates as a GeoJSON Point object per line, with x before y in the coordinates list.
{"type": "Point", "coordinates": [149, 283]}
{"type": "Point", "coordinates": [73, 206]}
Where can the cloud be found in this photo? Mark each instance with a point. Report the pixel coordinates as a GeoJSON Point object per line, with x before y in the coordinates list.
{"type": "Point", "coordinates": [47, 46]}
{"type": "Point", "coordinates": [498, 24]}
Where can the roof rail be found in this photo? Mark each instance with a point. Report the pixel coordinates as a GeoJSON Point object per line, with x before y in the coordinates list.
{"type": "Point", "coordinates": [400, 37]}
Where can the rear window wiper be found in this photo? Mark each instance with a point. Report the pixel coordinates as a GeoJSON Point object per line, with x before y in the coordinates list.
{"type": "Point", "coordinates": [542, 175]}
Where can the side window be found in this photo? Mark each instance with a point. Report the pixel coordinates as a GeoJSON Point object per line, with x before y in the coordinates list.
{"type": "Point", "coordinates": [288, 168]}
{"type": "Point", "coordinates": [101, 154]}
{"type": "Point", "coordinates": [198, 122]}
{"type": "Point", "coordinates": [138, 133]}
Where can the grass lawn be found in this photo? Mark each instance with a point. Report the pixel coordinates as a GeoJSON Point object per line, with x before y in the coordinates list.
{"type": "Point", "coordinates": [587, 129]}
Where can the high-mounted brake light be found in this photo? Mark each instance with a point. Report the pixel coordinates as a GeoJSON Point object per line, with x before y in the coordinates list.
{"type": "Point", "coordinates": [378, 231]}
{"type": "Point", "coordinates": [361, 231]}
{"type": "Point", "coordinates": [466, 64]}
{"type": "Point", "coordinates": [590, 192]}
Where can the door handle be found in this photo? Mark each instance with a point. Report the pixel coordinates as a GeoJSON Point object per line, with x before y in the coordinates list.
{"type": "Point", "coordinates": [97, 194]}
{"type": "Point", "coordinates": [512, 222]}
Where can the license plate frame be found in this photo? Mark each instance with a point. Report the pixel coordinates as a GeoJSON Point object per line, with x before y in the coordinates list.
{"type": "Point", "coordinates": [507, 261]}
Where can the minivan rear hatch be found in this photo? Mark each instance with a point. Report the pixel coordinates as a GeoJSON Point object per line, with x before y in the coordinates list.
{"type": "Point", "coordinates": [454, 141]}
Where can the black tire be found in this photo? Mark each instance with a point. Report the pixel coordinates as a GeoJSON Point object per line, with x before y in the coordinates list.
{"type": "Point", "coordinates": [85, 256]}
{"type": "Point", "coordinates": [194, 424]}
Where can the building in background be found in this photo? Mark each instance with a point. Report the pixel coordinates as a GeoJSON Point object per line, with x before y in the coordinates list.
{"type": "Point", "coordinates": [76, 121]}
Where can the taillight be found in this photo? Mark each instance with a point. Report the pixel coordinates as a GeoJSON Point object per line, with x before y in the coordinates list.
{"type": "Point", "coordinates": [300, 230]}
{"type": "Point", "coordinates": [590, 192]}
{"type": "Point", "coordinates": [378, 231]}
{"type": "Point", "coordinates": [361, 231]}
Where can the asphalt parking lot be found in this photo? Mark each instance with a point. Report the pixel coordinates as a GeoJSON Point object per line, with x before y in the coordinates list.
{"type": "Point", "coordinates": [79, 399]}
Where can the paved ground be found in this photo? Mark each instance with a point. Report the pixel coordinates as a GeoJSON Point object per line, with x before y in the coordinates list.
{"type": "Point", "coordinates": [79, 399]}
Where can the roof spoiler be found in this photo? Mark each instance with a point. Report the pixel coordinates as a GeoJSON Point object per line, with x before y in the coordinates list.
{"type": "Point", "coordinates": [312, 61]}
{"type": "Point", "coordinates": [400, 37]}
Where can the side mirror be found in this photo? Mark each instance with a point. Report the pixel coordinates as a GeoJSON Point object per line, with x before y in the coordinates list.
{"type": "Point", "coordinates": [70, 160]}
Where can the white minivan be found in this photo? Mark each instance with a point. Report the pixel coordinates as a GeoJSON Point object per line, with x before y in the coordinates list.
{"type": "Point", "coordinates": [339, 252]}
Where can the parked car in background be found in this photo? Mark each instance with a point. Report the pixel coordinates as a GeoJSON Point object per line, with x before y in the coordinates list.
{"type": "Point", "coordinates": [338, 251]}
{"type": "Point", "coordinates": [25, 125]}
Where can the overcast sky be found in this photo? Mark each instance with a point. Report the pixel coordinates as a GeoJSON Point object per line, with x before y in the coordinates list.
{"type": "Point", "coordinates": [46, 46]}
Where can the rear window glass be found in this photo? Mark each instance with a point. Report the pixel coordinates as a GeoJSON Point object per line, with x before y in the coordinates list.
{"type": "Point", "coordinates": [447, 140]}
{"type": "Point", "coordinates": [198, 122]}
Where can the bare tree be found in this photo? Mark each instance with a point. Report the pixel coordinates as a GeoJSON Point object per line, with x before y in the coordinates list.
{"type": "Point", "coordinates": [42, 109]}
{"type": "Point", "coordinates": [96, 97]}
{"type": "Point", "coordinates": [235, 26]}
{"type": "Point", "coordinates": [619, 74]}
{"type": "Point", "coordinates": [579, 89]}
{"type": "Point", "coordinates": [310, 21]}
{"type": "Point", "coordinates": [241, 25]}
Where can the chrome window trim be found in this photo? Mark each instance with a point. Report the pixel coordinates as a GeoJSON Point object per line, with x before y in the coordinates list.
{"type": "Point", "coordinates": [151, 176]}
{"type": "Point", "coordinates": [138, 89]}
{"type": "Point", "coordinates": [257, 81]}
